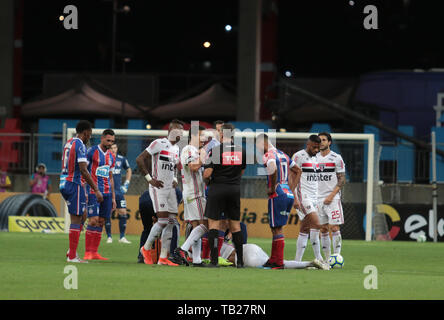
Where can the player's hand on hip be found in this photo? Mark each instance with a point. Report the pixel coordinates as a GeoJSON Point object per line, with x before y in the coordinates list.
{"type": "Point", "coordinates": [114, 204]}
{"type": "Point", "coordinates": [328, 200]}
{"type": "Point", "coordinates": [99, 196]}
{"type": "Point", "coordinates": [297, 204]}
{"type": "Point", "coordinates": [156, 183]}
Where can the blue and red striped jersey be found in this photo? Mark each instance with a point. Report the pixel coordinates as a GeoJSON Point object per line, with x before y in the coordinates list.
{"type": "Point", "coordinates": [283, 164]}
{"type": "Point", "coordinates": [100, 164]}
{"type": "Point", "coordinates": [74, 152]}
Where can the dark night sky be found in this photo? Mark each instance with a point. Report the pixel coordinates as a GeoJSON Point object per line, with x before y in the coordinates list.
{"type": "Point", "coordinates": [315, 38]}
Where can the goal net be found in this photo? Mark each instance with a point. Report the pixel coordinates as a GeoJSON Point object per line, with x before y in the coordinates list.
{"type": "Point", "coordinates": [357, 150]}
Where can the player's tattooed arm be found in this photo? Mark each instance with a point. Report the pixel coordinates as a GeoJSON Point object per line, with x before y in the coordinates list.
{"type": "Point", "coordinates": [341, 180]}
{"type": "Point", "coordinates": [338, 187]}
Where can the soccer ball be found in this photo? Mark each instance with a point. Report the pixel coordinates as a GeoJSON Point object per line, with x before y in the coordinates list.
{"type": "Point", "coordinates": [421, 238]}
{"type": "Point", "coordinates": [336, 261]}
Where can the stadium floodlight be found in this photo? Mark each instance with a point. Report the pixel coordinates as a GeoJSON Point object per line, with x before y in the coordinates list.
{"type": "Point", "coordinates": [367, 138]}
{"type": "Point", "coordinates": [206, 44]}
{"type": "Point", "coordinates": [287, 73]}
{"type": "Point", "coordinates": [228, 28]}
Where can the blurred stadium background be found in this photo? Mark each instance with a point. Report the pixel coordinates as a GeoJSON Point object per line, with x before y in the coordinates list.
{"type": "Point", "coordinates": [285, 65]}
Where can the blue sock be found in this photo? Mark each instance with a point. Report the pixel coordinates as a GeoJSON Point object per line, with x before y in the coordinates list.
{"type": "Point", "coordinates": [108, 227]}
{"type": "Point", "coordinates": [173, 244]}
{"type": "Point", "coordinates": [122, 226]}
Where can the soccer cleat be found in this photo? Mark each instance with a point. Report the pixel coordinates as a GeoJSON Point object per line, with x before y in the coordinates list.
{"type": "Point", "coordinates": [224, 262]}
{"type": "Point", "coordinates": [267, 265]}
{"type": "Point", "coordinates": [320, 264]}
{"type": "Point", "coordinates": [210, 265]}
{"type": "Point", "coordinates": [183, 255]}
{"type": "Point", "coordinates": [240, 266]}
{"type": "Point", "coordinates": [88, 256]}
{"type": "Point", "coordinates": [109, 240]}
{"type": "Point", "coordinates": [177, 257]}
{"type": "Point", "coordinates": [277, 266]}
{"type": "Point", "coordinates": [166, 262]}
{"type": "Point", "coordinates": [97, 256]}
{"type": "Point", "coordinates": [76, 260]}
{"type": "Point", "coordinates": [199, 265]}
{"type": "Point", "coordinates": [124, 240]}
{"type": "Point", "coordinates": [146, 255]}
{"type": "Point", "coordinates": [140, 260]}
{"type": "Point", "coordinates": [206, 261]}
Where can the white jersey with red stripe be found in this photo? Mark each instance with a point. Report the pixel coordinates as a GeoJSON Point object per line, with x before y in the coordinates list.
{"type": "Point", "coordinates": [165, 157]}
{"type": "Point", "coordinates": [192, 181]}
{"type": "Point", "coordinates": [308, 184]}
{"type": "Point", "coordinates": [329, 166]}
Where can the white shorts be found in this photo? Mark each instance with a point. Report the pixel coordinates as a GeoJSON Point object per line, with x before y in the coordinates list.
{"type": "Point", "coordinates": [308, 206]}
{"type": "Point", "coordinates": [330, 213]}
{"type": "Point", "coordinates": [194, 209]}
{"type": "Point", "coordinates": [164, 199]}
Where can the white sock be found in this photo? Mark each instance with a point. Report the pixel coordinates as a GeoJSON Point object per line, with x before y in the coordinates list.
{"type": "Point", "coordinates": [177, 226]}
{"type": "Point", "coordinates": [337, 242]}
{"type": "Point", "coordinates": [291, 264]}
{"type": "Point", "coordinates": [315, 243]}
{"type": "Point", "coordinates": [197, 249]}
{"type": "Point", "coordinates": [167, 235]}
{"type": "Point", "coordinates": [326, 245]}
{"type": "Point", "coordinates": [195, 235]}
{"type": "Point", "coordinates": [300, 245]}
{"type": "Point", "coordinates": [154, 234]}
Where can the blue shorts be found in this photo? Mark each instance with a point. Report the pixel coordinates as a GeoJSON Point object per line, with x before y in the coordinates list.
{"type": "Point", "coordinates": [120, 201]}
{"type": "Point", "coordinates": [75, 198]}
{"type": "Point", "coordinates": [102, 209]}
{"type": "Point", "coordinates": [278, 210]}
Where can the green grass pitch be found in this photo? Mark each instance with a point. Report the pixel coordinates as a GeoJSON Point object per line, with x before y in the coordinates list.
{"type": "Point", "coordinates": [32, 267]}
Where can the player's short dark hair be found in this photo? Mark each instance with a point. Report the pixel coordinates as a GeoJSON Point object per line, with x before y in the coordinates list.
{"type": "Point", "coordinates": [176, 122]}
{"type": "Point", "coordinates": [314, 138]}
{"type": "Point", "coordinates": [325, 134]}
{"type": "Point", "coordinates": [107, 132]}
{"type": "Point", "coordinates": [262, 136]}
{"type": "Point", "coordinates": [83, 125]}
{"type": "Point", "coordinates": [201, 128]}
{"type": "Point", "coordinates": [228, 126]}
{"type": "Point", "coordinates": [215, 123]}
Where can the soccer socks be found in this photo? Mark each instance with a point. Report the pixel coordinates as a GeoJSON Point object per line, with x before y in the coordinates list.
{"type": "Point", "coordinates": [337, 242]}
{"type": "Point", "coordinates": [220, 241]}
{"type": "Point", "coordinates": [196, 251]}
{"type": "Point", "coordinates": [301, 244]}
{"type": "Point", "coordinates": [108, 227]}
{"type": "Point", "coordinates": [93, 236]}
{"type": "Point", "coordinates": [194, 236]}
{"type": "Point", "coordinates": [205, 247]}
{"type": "Point", "coordinates": [155, 232]}
{"type": "Point", "coordinates": [238, 241]}
{"type": "Point", "coordinates": [277, 249]}
{"type": "Point", "coordinates": [165, 238]}
{"type": "Point", "coordinates": [213, 244]}
{"type": "Point", "coordinates": [74, 235]}
{"type": "Point", "coordinates": [326, 245]}
{"type": "Point", "coordinates": [296, 264]}
{"type": "Point", "coordinates": [122, 225]}
{"type": "Point", "coordinates": [315, 243]}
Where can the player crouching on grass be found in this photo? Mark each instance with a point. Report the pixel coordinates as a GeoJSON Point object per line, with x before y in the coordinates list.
{"type": "Point", "coordinates": [162, 155]}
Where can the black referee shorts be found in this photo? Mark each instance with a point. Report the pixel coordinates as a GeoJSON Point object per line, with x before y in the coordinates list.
{"type": "Point", "coordinates": [223, 198]}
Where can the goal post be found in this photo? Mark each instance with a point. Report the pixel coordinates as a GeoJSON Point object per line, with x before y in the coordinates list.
{"type": "Point", "coordinates": [367, 138]}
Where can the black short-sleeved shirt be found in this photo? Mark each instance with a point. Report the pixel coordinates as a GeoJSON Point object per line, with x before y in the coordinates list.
{"type": "Point", "coordinates": [227, 161]}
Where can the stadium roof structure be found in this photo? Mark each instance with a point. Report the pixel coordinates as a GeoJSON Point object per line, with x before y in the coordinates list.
{"type": "Point", "coordinates": [214, 102]}
{"type": "Point", "coordinates": [85, 98]}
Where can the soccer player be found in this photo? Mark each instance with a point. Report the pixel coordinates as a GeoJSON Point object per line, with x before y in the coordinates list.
{"type": "Point", "coordinates": [162, 155]}
{"type": "Point", "coordinates": [194, 197]}
{"type": "Point", "coordinates": [280, 196]}
{"type": "Point", "coordinates": [74, 166]}
{"type": "Point", "coordinates": [331, 181]}
{"type": "Point", "coordinates": [255, 257]}
{"type": "Point", "coordinates": [306, 192]}
{"type": "Point", "coordinates": [121, 163]}
{"type": "Point", "coordinates": [223, 172]}
{"type": "Point", "coordinates": [100, 163]}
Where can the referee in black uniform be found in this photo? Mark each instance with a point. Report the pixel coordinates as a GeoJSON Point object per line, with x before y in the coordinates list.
{"type": "Point", "coordinates": [223, 171]}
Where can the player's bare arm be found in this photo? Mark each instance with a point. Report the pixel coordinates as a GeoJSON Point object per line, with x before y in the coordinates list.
{"type": "Point", "coordinates": [273, 178]}
{"type": "Point", "coordinates": [89, 180]}
{"type": "Point", "coordinates": [143, 161]}
{"type": "Point", "coordinates": [129, 174]}
{"type": "Point", "coordinates": [293, 180]}
{"type": "Point", "coordinates": [338, 187]}
{"type": "Point", "coordinates": [207, 174]}
{"type": "Point", "coordinates": [175, 182]}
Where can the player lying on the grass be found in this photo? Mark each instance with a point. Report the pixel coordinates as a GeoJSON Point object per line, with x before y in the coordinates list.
{"type": "Point", "coordinates": [100, 163]}
{"type": "Point", "coordinates": [280, 197]}
{"type": "Point", "coordinates": [306, 191]}
{"type": "Point", "coordinates": [160, 160]}
{"type": "Point", "coordinates": [255, 257]}
{"type": "Point", "coordinates": [74, 167]}
{"type": "Point", "coordinates": [331, 181]}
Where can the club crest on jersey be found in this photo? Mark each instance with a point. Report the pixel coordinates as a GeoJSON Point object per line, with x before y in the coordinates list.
{"type": "Point", "coordinates": [322, 166]}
